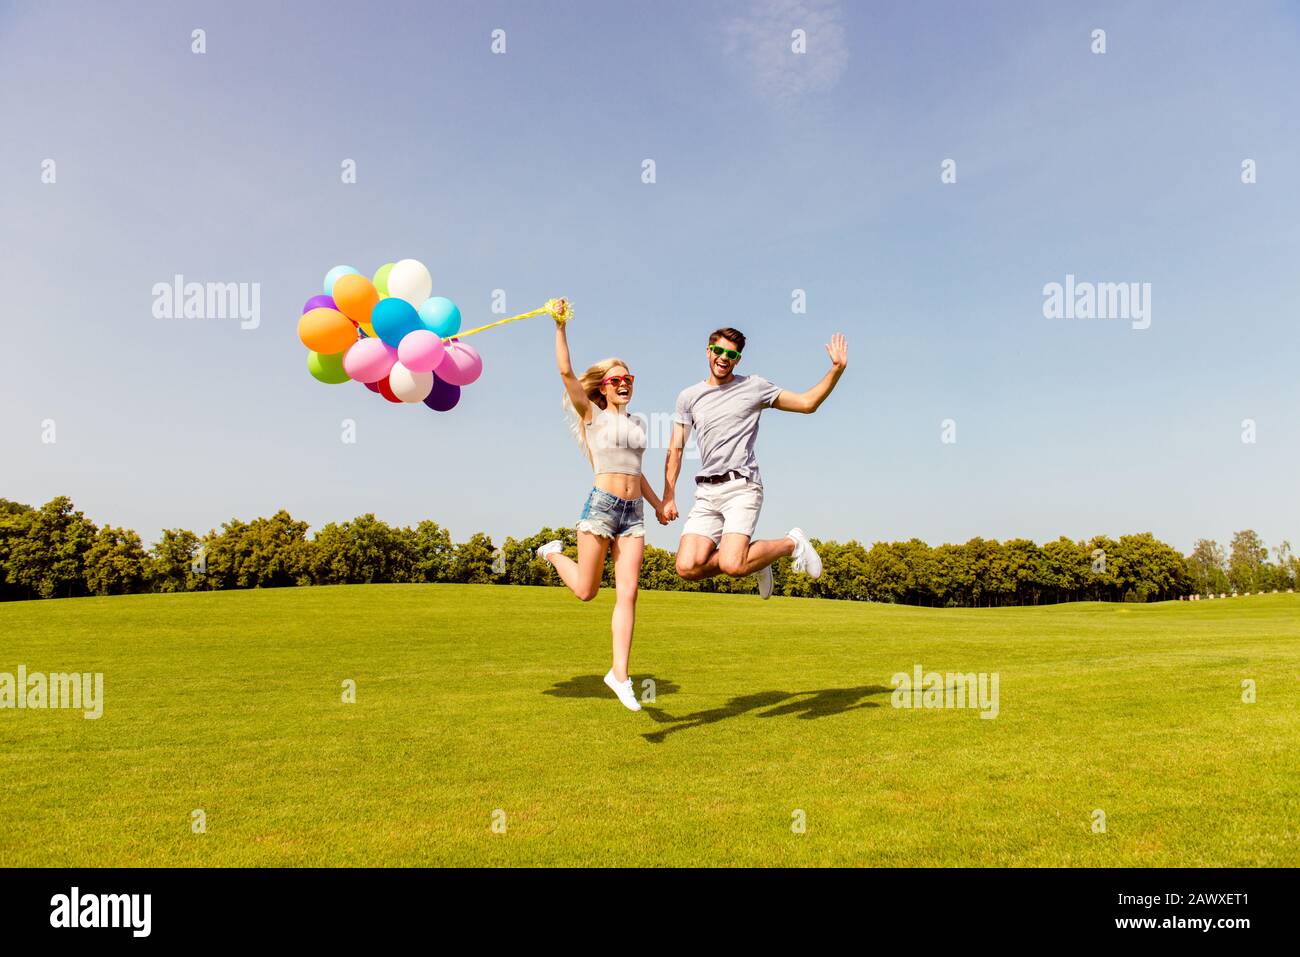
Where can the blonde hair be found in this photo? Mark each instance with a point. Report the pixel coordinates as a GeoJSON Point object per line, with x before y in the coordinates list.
{"type": "Point", "coordinates": [591, 386]}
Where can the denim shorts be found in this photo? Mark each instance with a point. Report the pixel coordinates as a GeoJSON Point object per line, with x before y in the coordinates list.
{"type": "Point", "coordinates": [610, 516]}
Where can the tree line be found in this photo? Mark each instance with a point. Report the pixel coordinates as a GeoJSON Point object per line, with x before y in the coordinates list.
{"type": "Point", "coordinates": [55, 551]}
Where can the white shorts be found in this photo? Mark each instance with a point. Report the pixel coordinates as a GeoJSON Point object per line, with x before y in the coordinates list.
{"type": "Point", "coordinates": [727, 508]}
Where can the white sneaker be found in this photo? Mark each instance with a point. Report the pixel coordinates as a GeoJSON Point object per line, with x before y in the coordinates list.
{"type": "Point", "coordinates": [550, 548]}
{"type": "Point", "coordinates": [806, 558]}
{"type": "Point", "coordinates": [765, 582]}
{"type": "Point", "coordinates": [624, 691]}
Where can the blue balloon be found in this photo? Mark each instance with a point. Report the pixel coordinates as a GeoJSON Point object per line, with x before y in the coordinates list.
{"type": "Point", "coordinates": [440, 316]}
{"type": "Point", "coordinates": [393, 319]}
{"type": "Point", "coordinates": [333, 275]}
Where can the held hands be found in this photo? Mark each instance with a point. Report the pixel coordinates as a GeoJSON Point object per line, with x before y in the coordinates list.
{"type": "Point", "coordinates": [838, 350]}
{"type": "Point", "coordinates": [666, 512]}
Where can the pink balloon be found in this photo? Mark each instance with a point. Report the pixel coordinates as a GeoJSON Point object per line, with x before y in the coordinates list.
{"type": "Point", "coordinates": [369, 360]}
{"type": "Point", "coordinates": [420, 351]}
{"type": "Point", "coordinates": [461, 364]}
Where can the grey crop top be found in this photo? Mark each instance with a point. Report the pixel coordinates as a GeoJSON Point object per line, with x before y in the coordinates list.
{"type": "Point", "coordinates": [617, 442]}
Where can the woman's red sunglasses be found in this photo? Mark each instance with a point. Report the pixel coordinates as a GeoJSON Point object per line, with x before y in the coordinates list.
{"type": "Point", "coordinates": [618, 380]}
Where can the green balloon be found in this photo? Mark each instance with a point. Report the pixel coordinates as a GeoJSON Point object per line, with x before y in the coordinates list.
{"type": "Point", "coordinates": [328, 368]}
{"type": "Point", "coordinates": [381, 279]}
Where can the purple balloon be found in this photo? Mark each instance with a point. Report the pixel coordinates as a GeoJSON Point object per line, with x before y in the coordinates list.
{"type": "Point", "coordinates": [318, 302]}
{"type": "Point", "coordinates": [444, 396]}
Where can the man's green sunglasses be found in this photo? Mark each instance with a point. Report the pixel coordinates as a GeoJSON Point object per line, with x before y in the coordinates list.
{"type": "Point", "coordinates": [731, 354]}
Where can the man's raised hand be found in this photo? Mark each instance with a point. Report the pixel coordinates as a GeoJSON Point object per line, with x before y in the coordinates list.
{"type": "Point", "coordinates": [838, 350]}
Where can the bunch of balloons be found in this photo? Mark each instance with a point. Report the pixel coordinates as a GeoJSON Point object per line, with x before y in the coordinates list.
{"type": "Point", "coordinates": [390, 334]}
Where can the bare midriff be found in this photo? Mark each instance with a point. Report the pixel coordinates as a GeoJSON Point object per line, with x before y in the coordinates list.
{"type": "Point", "coordinates": [617, 483]}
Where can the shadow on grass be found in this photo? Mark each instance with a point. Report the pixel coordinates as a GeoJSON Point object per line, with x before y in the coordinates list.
{"type": "Point", "coordinates": [764, 704]}
{"type": "Point", "coordinates": [769, 704]}
{"type": "Point", "coordinates": [593, 686]}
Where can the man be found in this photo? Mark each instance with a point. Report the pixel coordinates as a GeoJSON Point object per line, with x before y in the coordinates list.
{"type": "Point", "coordinates": [724, 411]}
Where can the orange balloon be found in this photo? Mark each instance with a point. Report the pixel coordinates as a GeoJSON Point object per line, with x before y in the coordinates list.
{"type": "Point", "coordinates": [356, 297]}
{"type": "Point", "coordinates": [326, 331]}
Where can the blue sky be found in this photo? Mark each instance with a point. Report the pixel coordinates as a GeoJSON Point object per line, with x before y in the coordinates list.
{"type": "Point", "coordinates": [775, 172]}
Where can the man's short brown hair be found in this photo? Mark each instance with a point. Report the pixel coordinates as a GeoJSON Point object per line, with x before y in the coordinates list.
{"type": "Point", "coordinates": [733, 335]}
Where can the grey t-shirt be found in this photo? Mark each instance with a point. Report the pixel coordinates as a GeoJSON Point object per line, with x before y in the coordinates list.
{"type": "Point", "coordinates": [725, 420]}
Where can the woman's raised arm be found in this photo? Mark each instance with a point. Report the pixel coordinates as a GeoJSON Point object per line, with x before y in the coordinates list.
{"type": "Point", "coordinates": [571, 383]}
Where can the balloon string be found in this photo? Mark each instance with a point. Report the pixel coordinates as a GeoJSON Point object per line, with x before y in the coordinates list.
{"type": "Point", "coordinates": [499, 322]}
{"type": "Point", "coordinates": [559, 309]}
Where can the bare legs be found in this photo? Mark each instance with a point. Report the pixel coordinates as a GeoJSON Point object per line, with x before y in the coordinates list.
{"type": "Point", "coordinates": [628, 550]}
{"type": "Point", "coordinates": [583, 576]}
{"type": "Point", "coordinates": [736, 555]}
{"type": "Point", "coordinates": [583, 579]}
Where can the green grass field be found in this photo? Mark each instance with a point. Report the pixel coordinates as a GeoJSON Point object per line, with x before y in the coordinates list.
{"type": "Point", "coordinates": [477, 698]}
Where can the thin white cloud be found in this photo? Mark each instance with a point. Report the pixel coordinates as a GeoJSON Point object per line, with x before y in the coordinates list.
{"type": "Point", "coordinates": [760, 41]}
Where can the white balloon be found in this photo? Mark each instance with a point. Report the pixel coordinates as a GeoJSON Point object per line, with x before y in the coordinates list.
{"type": "Point", "coordinates": [410, 280]}
{"type": "Point", "coordinates": [410, 386]}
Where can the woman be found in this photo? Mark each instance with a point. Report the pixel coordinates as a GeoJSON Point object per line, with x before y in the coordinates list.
{"type": "Point", "coordinates": [614, 442]}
